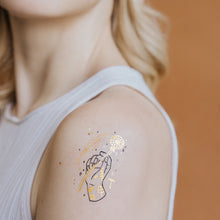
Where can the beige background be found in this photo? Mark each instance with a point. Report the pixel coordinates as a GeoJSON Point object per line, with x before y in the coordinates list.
{"type": "Point", "coordinates": [191, 96]}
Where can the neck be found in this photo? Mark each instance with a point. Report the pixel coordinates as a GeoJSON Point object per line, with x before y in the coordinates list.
{"type": "Point", "coordinates": [53, 56]}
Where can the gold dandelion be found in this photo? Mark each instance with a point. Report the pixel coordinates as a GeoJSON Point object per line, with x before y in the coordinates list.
{"type": "Point", "coordinates": [116, 142]}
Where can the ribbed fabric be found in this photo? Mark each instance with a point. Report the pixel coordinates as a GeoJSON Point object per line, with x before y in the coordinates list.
{"type": "Point", "coordinates": [23, 141]}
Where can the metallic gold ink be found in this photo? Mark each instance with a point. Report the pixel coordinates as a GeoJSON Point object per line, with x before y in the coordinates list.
{"type": "Point", "coordinates": [117, 142]}
{"type": "Point", "coordinates": [111, 181]}
{"type": "Point", "coordinates": [94, 141]}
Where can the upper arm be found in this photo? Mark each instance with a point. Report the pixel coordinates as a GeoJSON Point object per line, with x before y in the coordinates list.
{"type": "Point", "coordinates": [112, 162]}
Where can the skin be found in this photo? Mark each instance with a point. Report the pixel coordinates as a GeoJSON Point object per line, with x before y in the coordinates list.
{"type": "Point", "coordinates": [57, 45]}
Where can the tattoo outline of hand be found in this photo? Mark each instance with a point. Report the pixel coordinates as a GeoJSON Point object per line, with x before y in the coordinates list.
{"type": "Point", "coordinates": [94, 181]}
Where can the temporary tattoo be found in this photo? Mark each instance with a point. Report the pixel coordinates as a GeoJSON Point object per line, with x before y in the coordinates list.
{"type": "Point", "coordinates": [94, 169]}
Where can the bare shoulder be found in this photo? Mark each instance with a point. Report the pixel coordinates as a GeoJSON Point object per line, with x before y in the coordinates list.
{"type": "Point", "coordinates": [109, 159]}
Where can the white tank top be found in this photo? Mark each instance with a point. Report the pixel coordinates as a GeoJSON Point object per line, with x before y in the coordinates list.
{"type": "Point", "coordinates": [23, 141]}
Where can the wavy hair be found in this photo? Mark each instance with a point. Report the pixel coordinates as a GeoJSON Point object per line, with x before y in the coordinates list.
{"type": "Point", "coordinates": [137, 33]}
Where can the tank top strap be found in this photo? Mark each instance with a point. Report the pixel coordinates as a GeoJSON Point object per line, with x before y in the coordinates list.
{"type": "Point", "coordinates": [105, 78]}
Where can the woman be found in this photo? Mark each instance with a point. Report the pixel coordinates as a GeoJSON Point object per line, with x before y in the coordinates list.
{"type": "Point", "coordinates": [81, 135]}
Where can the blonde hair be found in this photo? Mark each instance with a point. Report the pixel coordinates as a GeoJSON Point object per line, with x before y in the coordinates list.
{"type": "Point", "coordinates": [136, 31]}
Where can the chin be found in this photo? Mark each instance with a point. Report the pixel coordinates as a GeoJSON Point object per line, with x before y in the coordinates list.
{"type": "Point", "coordinates": [46, 8]}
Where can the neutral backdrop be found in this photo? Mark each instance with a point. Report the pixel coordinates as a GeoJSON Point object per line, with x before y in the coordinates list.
{"type": "Point", "coordinates": [191, 96]}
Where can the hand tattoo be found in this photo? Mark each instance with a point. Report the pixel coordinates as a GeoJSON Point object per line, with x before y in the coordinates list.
{"type": "Point", "coordinates": [101, 164]}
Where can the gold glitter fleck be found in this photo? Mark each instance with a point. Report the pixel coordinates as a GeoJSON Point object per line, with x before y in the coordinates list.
{"type": "Point", "coordinates": [101, 174]}
{"type": "Point", "coordinates": [92, 196]}
{"type": "Point", "coordinates": [100, 190]}
{"type": "Point", "coordinates": [90, 189]}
